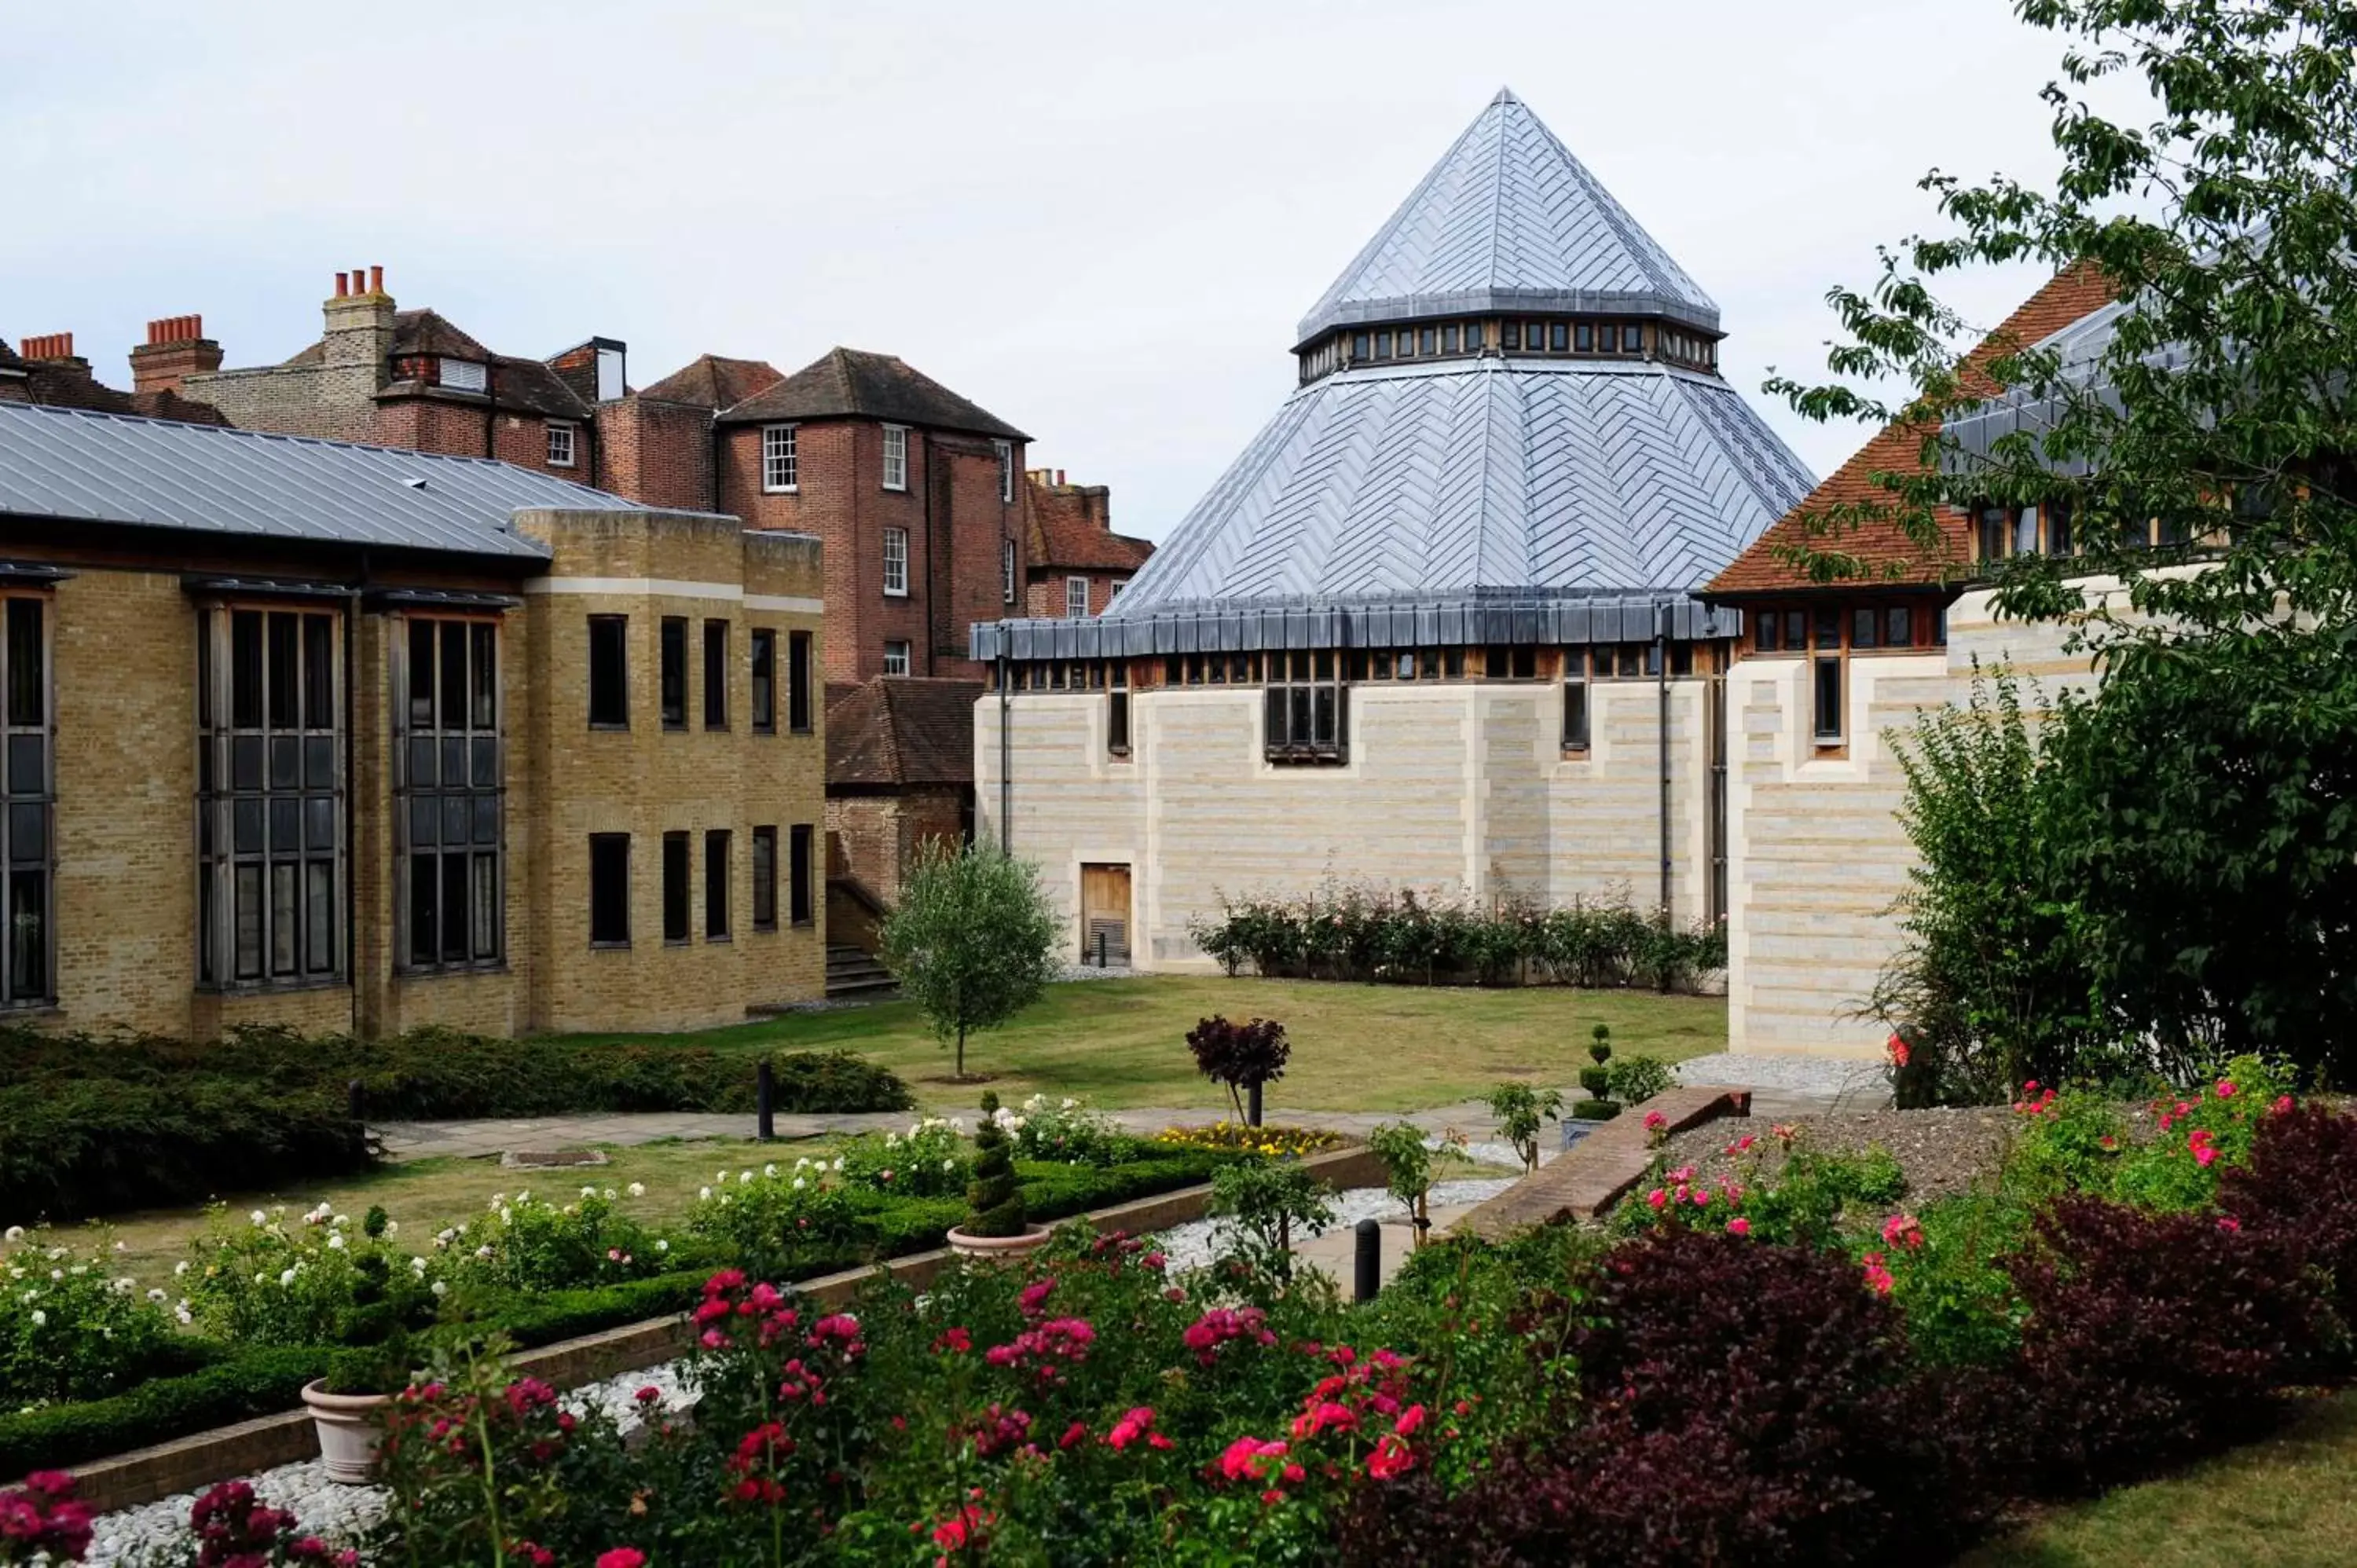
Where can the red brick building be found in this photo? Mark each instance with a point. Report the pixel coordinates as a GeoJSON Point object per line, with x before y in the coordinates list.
{"type": "Point", "coordinates": [48, 370]}
{"type": "Point", "coordinates": [1077, 562]}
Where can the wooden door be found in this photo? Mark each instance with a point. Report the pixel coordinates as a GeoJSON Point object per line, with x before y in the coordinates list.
{"type": "Point", "coordinates": [1104, 913]}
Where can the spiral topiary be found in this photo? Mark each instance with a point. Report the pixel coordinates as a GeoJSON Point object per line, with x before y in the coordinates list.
{"type": "Point", "coordinates": [994, 1201]}
{"type": "Point", "coordinates": [1600, 1106]}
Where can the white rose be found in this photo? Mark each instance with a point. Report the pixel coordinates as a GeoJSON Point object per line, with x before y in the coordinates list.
{"type": "Point", "coordinates": [588, 1192]}
{"type": "Point", "coordinates": [440, 1289]}
{"type": "Point", "coordinates": [179, 1268]}
{"type": "Point", "coordinates": [341, 1219]}
{"type": "Point", "coordinates": [14, 1233]}
{"type": "Point", "coordinates": [392, 1227]}
{"type": "Point", "coordinates": [704, 1192]}
{"type": "Point", "coordinates": [184, 1315]}
{"type": "Point", "coordinates": [637, 1189]}
{"type": "Point", "coordinates": [769, 1170]}
{"type": "Point", "coordinates": [156, 1293]}
{"type": "Point", "coordinates": [259, 1218]}
{"type": "Point", "coordinates": [335, 1243]}
{"type": "Point", "coordinates": [949, 1164]}
{"type": "Point", "coordinates": [663, 1246]}
{"type": "Point", "coordinates": [40, 1318]}
{"type": "Point", "coordinates": [744, 1178]}
{"type": "Point", "coordinates": [838, 1164]}
{"type": "Point", "coordinates": [483, 1251]}
{"type": "Point", "coordinates": [507, 1216]}
{"type": "Point", "coordinates": [800, 1184]}
{"type": "Point", "coordinates": [286, 1279]}
{"type": "Point", "coordinates": [720, 1177]}
{"type": "Point", "coordinates": [499, 1200]}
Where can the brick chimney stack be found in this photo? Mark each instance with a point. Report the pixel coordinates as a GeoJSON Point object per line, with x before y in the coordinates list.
{"type": "Point", "coordinates": [54, 348]}
{"type": "Point", "coordinates": [177, 347]}
{"type": "Point", "coordinates": [358, 335]}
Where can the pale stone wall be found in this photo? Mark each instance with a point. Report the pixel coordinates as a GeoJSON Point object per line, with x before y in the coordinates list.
{"type": "Point", "coordinates": [1817, 858]}
{"type": "Point", "coordinates": [1457, 788]}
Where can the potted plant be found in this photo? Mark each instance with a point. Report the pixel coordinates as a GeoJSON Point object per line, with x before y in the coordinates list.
{"type": "Point", "coordinates": [995, 1224]}
{"type": "Point", "coordinates": [347, 1405]}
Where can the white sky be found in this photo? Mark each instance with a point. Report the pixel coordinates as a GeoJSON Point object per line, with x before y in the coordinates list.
{"type": "Point", "coordinates": [1098, 219]}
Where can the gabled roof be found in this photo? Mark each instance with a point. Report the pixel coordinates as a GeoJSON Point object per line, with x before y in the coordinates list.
{"type": "Point", "coordinates": [902, 729]}
{"type": "Point", "coordinates": [1508, 219]}
{"type": "Point", "coordinates": [1477, 476]}
{"type": "Point", "coordinates": [1883, 546]}
{"type": "Point", "coordinates": [423, 331]}
{"type": "Point", "coordinates": [112, 469]}
{"type": "Point", "coordinates": [714, 382]}
{"type": "Point", "coordinates": [56, 384]}
{"type": "Point", "coordinates": [1071, 528]}
{"type": "Point", "coordinates": [853, 383]}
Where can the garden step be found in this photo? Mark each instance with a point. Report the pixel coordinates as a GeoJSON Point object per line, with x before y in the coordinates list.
{"type": "Point", "coordinates": [850, 971]}
{"type": "Point", "coordinates": [1588, 1178]}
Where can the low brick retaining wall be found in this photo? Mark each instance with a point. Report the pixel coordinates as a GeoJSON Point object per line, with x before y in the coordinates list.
{"type": "Point", "coordinates": [1592, 1175]}
{"type": "Point", "coordinates": [189, 1464]}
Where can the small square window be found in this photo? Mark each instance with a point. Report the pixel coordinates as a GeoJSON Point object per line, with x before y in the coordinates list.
{"type": "Point", "coordinates": [896, 458]}
{"type": "Point", "coordinates": [1633, 337]}
{"type": "Point", "coordinates": [1448, 339]}
{"type": "Point", "coordinates": [1382, 345]}
{"type": "Point", "coordinates": [1534, 335]}
{"type": "Point", "coordinates": [1510, 335]}
{"type": "Point", "coordinates": [1559, 336]}
{"type": "Point", "coordinates": [560, 443]}
{"type": "Point", "coordinates": [895, 659]}
{"type": "Point", "coordinates": [1472, 336]}
{"type": "Point", "coordinates": [1358, 346]}
{"type": "Point", "coordinates": [1583, 337]}
{"type": "Point", "coordinates": [1427, 341]}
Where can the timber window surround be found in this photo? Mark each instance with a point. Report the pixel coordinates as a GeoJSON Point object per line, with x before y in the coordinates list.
{"type": "Point", "coordinates": [765, 878]}
{"type": "Point", "coordinates": [1006, 570]}
{"type": "Point", "coordinates": [1005, 450]}
{"type": "Point", "coordinates": [765, 681]}
{"type": "Point", "coordinates": [799, 891]}
{"type": "Point", "coordinates": [1076, 598]}
{"type": "Point", "coordinates": [609, 890]}
{"type": "Point", "coordinates": [1826, 676]}
{"type": "Point", "coordinates": [560, 443]}
{"type": "Point", "coordinates": [26, 968]}
{"type": "Point", "coordinates": [1305, 707]}
{"type": "Point", "coordinates": [270, 834]}
{"type": "Point", "coordinates": [895, 658]}
{"type": "Point", "coordinates": [671, 691]}
{"type": "Point", "coordinates": [1118, 711]}
{"type": "Point", "coordinates": [896, 561]}
{"type": "Point", "coordinates": [715, 674]}
{"type": "Point", "coordinates": [1575, 704]}
{"type": "Point", "coordinates": [896, 456]}
{"type": "Point", "coordinates": [609, 672]}
{"type": "Point", "coordinates": [779, 474]}
{"type": "Point", "coordinates": [449, 788]}
{"type": "Point", "coordinates": [799, 705]}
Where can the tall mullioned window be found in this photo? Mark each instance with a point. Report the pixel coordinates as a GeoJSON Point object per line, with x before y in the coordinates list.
{"type": "Point", "coordinates": [270, 796]}
{"type": "Point", "coordinates": [1307, 706]}
{"type": "Point", "coordinates": [26, 968]}
{"type": "Point", "coordinates": [779, 472]}
{"type": "Point", "coordinates": [449, 787]}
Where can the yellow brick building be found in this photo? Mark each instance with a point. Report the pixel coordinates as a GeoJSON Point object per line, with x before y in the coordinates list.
{"type": "Point", "coordinates": [348, 738]}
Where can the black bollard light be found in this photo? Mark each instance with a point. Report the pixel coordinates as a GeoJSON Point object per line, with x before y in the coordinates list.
{"type": "Point", "coordinates": [1251, 1107]}
{"type": "Point", "coordinates": [1101, 946]}
{"type": "Point", "coordinates": [1368, 1276]}
{"type": "Point", "coordinates": [765, 1100]}
{"type": "Point", "coordinates": [356, 1101]}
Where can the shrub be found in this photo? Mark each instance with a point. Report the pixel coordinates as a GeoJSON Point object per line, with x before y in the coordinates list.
{"type": "Point", "coordinates": [2152, 1338]}
{"type": "Point", "coordinates": [1069, 1132]}
{"type": "Point", "coordinates": [776, 1221]}
{"type": "Point", "coordinates": [994, 1202]}
{"type": "Point", "coordinates": [1407, 1167]}
{"type": "Point", "coordinates": [1239, 1056]}
{"type": "Point", "coordinates": [2296, 1184]}
{"type": "Point", "coordinates": [535, 1243]}
{"type": "Point", "coordinates": [1632, 1080]}
{"type": "Point", "coordinates": [1519, 1110]}
{"type": "Point", "coordinates": [257, 1280]}
{"type": "Point", "coordinates": [232, 1389]}
{"type": "Point", "coordinates": [70, 1329]}
{"type": "Point", "coordinates": [1267, 1203]}
{"type": "Point", "coordinates": [928, 1161]}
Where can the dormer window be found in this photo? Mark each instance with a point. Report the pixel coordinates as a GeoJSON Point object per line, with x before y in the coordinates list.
{"type": "Point", "coordinates": [1510, 335]}
{"type": "Point", "coordinates": [1633, 337]}
{"type": "Point", "coordinates": [465, 375]}
{"type": "Point", "coordinates": [1382, 345]}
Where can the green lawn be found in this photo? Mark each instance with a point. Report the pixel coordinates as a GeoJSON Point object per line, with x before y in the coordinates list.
{"type": "Point", "coordinates": [1118, 1043]}
{"type": "Point", "coordinates": [2290, 1502]}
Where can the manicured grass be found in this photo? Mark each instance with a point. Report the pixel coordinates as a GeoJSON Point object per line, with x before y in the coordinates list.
{"type": "Point", "coordinates": [1118, 1043]}
{"type": "Point", "coordinates": [2288, 1502]}
{"type": "Point", "coordinates": [426, 1195]}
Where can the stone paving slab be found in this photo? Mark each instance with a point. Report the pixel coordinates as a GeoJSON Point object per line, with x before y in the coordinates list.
{"type": "Point", "coordinates": [1591, 1176]}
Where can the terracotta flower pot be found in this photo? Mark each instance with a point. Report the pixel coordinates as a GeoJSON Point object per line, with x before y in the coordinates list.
{"type": "Point", "coordinates": [1034, 1237]}
{"type": "Point", "coordinates": [349, 1426]}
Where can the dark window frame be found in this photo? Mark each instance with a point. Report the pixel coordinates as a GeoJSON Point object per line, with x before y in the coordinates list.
{"type": "Point", "coordinates": [29, 802]}
{"type": "Point", "coordinates": [765, 877]}
{"type": "Point", "coordinates": [678, 889]}
{"type": "Point", "coordinates": [802, 905]}
{"type": "Point", "coordinates": [718, 851]}
{"type": "Point", "coordinates": [716, 673]}
{"type": "Point", "coordinates": [609, 672]}
{"type": "Point", "coordinates": [431, 811]}
{"type": "Point", "coordinates": [1305, 707]}
{"type": "Point", "coordinates": [671, 688]}
{"type": "Point", "coordinates": [761, 661]}
{"type": "Point", "coordinates": [609, 898]}
{"type": "Point", "coordinates": [801, 667]}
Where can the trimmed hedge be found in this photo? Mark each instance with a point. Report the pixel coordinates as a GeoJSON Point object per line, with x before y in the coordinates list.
{"type": "Point", "coordinates": [239, 1385]}
{"type": "Point", "coordinates": [92, 1125]}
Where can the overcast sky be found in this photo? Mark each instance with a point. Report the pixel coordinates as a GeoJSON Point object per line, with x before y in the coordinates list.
{"type": "Point", "coordinates": [1100, 220]}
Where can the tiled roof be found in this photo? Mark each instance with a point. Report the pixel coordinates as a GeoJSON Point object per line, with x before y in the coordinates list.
{"type": "Point", "coordinates": [112, 469]}
{"type": "Point", "coordinates": [902, 729]}
{"type": "Point", "coordinates": [530, 386]}
{"type": "Point", "coordinates": [1883, 547]}
{"type": "Point", "coordinates": [714, 382]}
{"type": "Point", "coordinates": [850, 383]}
{"type": "Point", "coordinates": [1069, 528]}
{"type": "Point", "coordinates": [58, 385]}
{"type": "Point", "coordinates": [1470, 477]}
{"type": "Point", "coordinates": [1509, 219]}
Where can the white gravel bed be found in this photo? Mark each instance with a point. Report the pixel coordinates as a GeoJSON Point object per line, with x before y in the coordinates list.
{"type": "Point", "coordinates": [1828, 1076]}
{"type": "Point", "coordinates": [336, 1512]}
{"type": "Point", "coordinates": [1091, 972]}
{"type": "Point", "coordinates": [329, 1509]}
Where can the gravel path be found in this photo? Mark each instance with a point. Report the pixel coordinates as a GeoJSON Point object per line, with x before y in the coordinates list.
{"type": "Point", "coordinates": [1942, 1152]}
{"type": "Point", "coordinates": [1832, 1077]}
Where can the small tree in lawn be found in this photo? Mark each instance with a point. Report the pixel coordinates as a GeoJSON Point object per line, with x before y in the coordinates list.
{"type": "Point", "coordinates": [1239, 1054]}
{"type": "Point", "coordinates": [972, 941]}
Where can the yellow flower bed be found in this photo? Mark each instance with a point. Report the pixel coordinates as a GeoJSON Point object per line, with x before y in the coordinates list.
{"type": "Point", "coordinates": [1275, 1142]}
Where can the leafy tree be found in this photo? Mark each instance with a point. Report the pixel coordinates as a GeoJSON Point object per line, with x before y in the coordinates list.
{"type": "Point", "coordinates": [1239, 1054]}
{"type": "Point", "coordinates": [972, 941]}
{"type": "Point", "coordinates": [1520, 1111]}
{"type": "Point", "coordinates": [2209, 790]}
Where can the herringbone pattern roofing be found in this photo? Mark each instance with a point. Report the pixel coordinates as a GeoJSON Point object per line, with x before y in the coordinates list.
{"type": "Point", "coordinates": [1509, 219]}
{"type": "Point", "coordinates": [1482, 475]}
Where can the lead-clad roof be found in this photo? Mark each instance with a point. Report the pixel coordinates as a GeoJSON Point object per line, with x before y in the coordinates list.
{"type": "Point", "coordinates": [1508, 219]}
{"type": "Point", "coordinates": [1471, 476]}
{"type": "Point", "coordinates": [76, 465]}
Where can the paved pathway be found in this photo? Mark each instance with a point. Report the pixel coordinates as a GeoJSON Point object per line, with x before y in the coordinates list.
{"type": "Point", "coordinates": [1780, 1087]}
